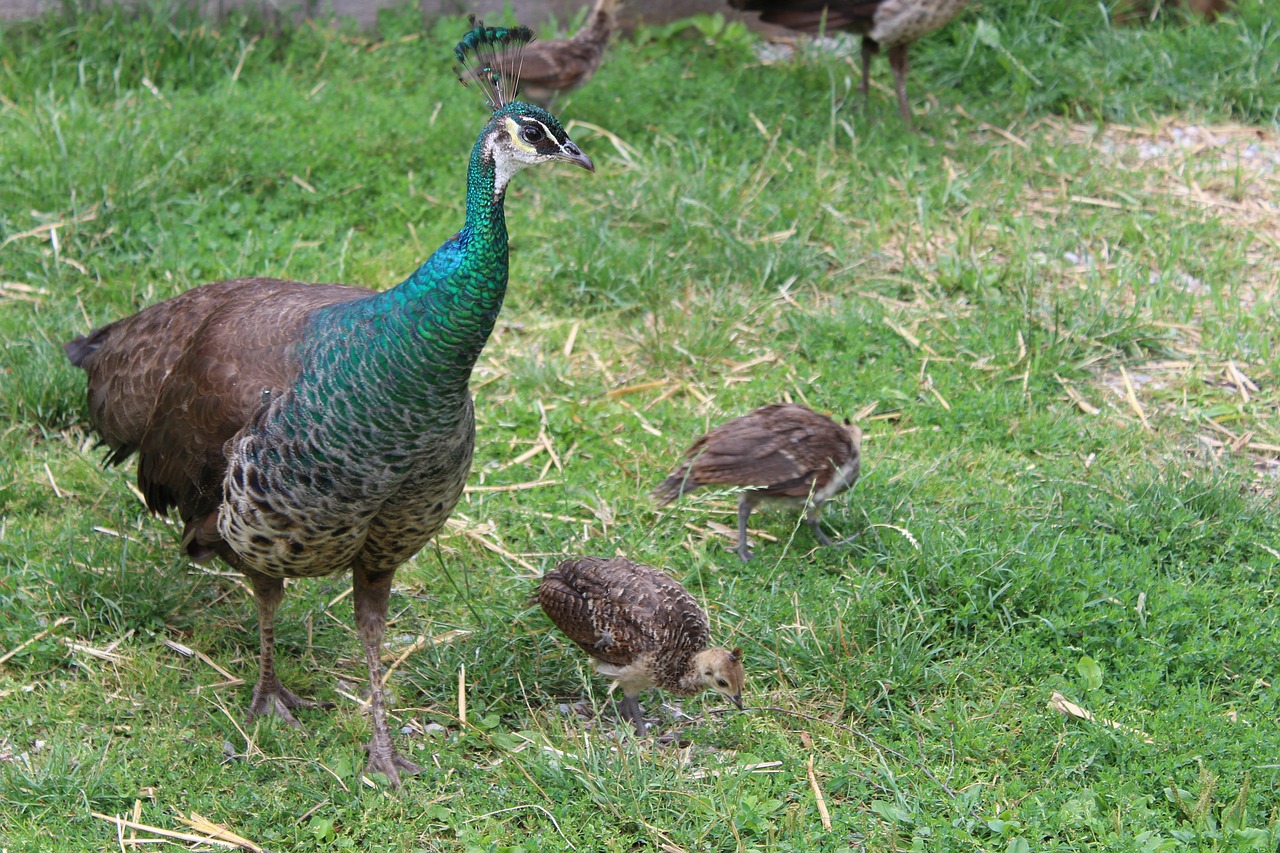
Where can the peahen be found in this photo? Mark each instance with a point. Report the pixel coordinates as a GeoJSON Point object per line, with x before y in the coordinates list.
{"type": "Point", "coordinates": [889, 23]}
{"type": "Point", "coordinates": [782, 453]}
{"type": "Point", "coordinates": [641, 628]}
{"type": "Point", "coordinates": [306, 429]}
{"type": "Point", "coordinates": [547, 68]}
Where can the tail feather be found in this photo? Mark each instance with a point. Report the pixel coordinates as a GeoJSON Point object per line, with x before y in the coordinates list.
{"type": "Point", "coordinates": [674, 486]}
{"type": "Point", "coordinates": [80, 350]}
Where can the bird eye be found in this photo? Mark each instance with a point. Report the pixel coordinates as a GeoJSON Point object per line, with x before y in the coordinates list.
{"type": "Point", "coordinates": [532, 134]}
{"type": "Point", "coordinates": [721, 682]}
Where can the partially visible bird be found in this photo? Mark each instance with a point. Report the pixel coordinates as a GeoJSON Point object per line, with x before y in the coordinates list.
{"type": "Point", "coordinates": [307, 429]}
{"type": "Point", "coordinates": [889, 23]}
{"type": "Point", "coordinates": [782, 453]}
{"type": "Point", "coordinates": [548, 68]}
{"type": "Point", "coordinates": [641, 628]}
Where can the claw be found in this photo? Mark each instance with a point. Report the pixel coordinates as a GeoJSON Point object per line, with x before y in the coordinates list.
{"type": "Point", "coordinates": [278, 702]}
{"type": "Point", "coordinates": [384, 759]}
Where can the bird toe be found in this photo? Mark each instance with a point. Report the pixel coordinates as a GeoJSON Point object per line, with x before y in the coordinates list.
{"type": "Point", "coordinates": [278, 703]}
{"type": "Point", "coordinates": [384, 759]}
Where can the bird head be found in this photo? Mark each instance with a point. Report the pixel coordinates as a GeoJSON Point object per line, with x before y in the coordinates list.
{"type": "Point", "coordinates": [721, 670]}
{"type": "Point", "coordinates": [518, 135]}
{"type": "Point", "coordinates": [855, 435]}
{"type": "Point", "coordinates": [521, 135]}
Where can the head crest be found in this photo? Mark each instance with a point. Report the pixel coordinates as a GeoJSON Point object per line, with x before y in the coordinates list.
{"type": "Point", "coordinates": [491, 56]}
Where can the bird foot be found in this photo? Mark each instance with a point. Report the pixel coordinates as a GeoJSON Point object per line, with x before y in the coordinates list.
{"type": "Point", "coordinates": [276, 703]}
{"type": "Point", "coordinates": [847, 540]}
{"type": "Point", "coordinates": [384, 759]}
{"type": "Point", "coordinates": [744, 552]}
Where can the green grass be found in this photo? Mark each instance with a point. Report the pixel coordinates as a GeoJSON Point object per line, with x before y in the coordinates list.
{"type": "Point", "coordinates": [972, 288]}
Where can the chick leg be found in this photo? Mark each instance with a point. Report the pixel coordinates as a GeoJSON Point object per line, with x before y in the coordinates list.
{"type": "Point", "coordinates": [811, 518]}
{"type": "Point", "coordinates": [745, 506]}
{"type": "Point", "coordinates": [270, 697]}
{"type": "Point", "coordinates": [898, 62]}
{"type": "Point", "coordinates": [869, 49]}
{"type": "Point", "coordinates": [629, 707]}
{"type": "Point", "coordinates": [371, 591]}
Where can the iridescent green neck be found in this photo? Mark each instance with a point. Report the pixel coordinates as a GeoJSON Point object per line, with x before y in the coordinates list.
{"type": "Point", "coordinates": [452, 301]}
{"type": "Point", "coordinates": [425, 335]}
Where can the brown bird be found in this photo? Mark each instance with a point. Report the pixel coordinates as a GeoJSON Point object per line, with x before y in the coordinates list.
{"type": "Point", "coordinates": [548, 68]}
{"type": "Point", "coordinates": [781, 453]}
{"type": "Point", "coordinates": [641, 628]}
{"type": "Point", "coordinates": [890, 23]}
{"type": "Point", "coordinates": [304, 430]}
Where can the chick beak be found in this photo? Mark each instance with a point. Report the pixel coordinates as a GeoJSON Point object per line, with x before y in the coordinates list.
{"type": "Point", "coordinates": [737, 700]}
{"type": "Point", "coordinates": [571, 153]}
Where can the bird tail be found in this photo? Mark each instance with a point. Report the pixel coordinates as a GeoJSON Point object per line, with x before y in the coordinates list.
{"type": "Point", "coordinates": [674, 486]}
{"type": "Point", "coordinates": [80, 350]}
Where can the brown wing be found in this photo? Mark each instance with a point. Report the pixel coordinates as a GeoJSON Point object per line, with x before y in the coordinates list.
{"type": "Point", "coordinates": [558, 65]}
{"type": "Point", "coordinates": [564, 64]}
{"type": "Point", "coordinates": [617, 609]}
{"type": "Point", "coordinates": [179, 378]}
{"type": "Point", "coordinates": [813, 15]}
{"type": "Point", "coordinates": [782, 449]}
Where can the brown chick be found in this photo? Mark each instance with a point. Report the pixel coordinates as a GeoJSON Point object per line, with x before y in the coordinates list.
{"type": "Point", "coordinates": [783, 453]}
{"type": "Point", "coordinates": [891, 23]}
{"type": "Point", "coordinates": [641, 628]}
{"type": "Point", "coordinates": [548, 68]}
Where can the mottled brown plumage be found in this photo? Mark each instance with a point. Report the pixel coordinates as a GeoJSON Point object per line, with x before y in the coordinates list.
{"type": "Point", "coordinates": [890, 23]}
{"type": "Point", "coordinates": [782, 453]}
{"type": "Point", "coordinates": [548, 68]}
{"type": "Point", "coordinates": [641, 628]}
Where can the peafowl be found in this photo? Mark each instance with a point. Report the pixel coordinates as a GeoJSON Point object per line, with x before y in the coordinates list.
{"type": "Point", "coordinates": [641, 628]}
{"type": "Point", "coordinates": [306, 429]}
{"type": "Point", "coordinates": [548, 68]}
{"type": "Point", "coordinates": [782, 453]}
{"type": "Point", "coordinates": [891, 23]}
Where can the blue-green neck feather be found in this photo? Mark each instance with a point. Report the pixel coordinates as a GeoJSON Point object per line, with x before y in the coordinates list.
{"type": "Point", "coordinates": [415, 345]}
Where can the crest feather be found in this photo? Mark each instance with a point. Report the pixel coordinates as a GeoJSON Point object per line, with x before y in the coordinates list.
{"type": "Point", "coordinates": [491, 56]}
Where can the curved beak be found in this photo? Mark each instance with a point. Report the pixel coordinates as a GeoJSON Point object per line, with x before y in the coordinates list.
{"type": "Point", "coordinates": [571, 153]}
{"type": "Point", "coordinates": [737, 700]}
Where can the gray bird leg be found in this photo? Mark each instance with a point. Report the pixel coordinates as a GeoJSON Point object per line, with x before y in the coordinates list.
{"type": "Point", "coordinates": [371, 591]}
{"type": "Point", "coordinates": [811, 519]}
{"type": "Point", "coordinates": [270, 697]}
{"type": "Point", "coordinates": [869, 49]}
{"type": "Point", "coordinates": [898, 62]}
{"type": "Point", "coordinates": [629, 707]}
{"type": "Point", "coordinates": [745, 506]}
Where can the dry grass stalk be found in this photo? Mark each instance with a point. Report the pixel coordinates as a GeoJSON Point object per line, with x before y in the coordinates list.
{"type": "Point", "coordinates": [221, 837]}
{"type": "Point", "coordinates": [61, 620]}
{"type": "Point", "coordinates": [219, 832]}
{"type": "Point", "coordinates": [1131, 398]}
{"type": "Point", "coordinates": [823, 814]}
{"type": "Point", "coordinates": [1061, 704]}
{"type": "Point", "coordinates": [418, 644]}
{"type": "Point", "coordinates": [186, 651]}
{"type": "Point", "coordinates": [462, 694]}
{"type": "Point", "coordinates": [514, 487]}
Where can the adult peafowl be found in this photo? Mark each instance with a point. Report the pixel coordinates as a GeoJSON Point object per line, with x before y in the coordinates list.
{"type": "Point", "coordinates": [891, 23]}
{"type": "Point", "coordinates": [548, 68]}
{"type": "Point", "coordinates": [306, 429]}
